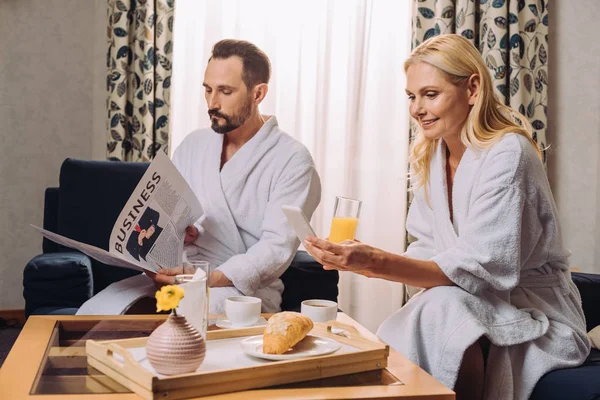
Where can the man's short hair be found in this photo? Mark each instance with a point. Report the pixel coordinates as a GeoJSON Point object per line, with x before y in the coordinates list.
{"type": "Point", "coordinates": [257, 67]}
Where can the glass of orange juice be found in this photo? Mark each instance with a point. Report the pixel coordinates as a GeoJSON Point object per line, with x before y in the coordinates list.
{"type": "Point", "coordinates": [345, 219]}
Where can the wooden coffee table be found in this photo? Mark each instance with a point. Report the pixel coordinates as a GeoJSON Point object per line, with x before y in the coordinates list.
{"type": "Point", "coordinates": [49, 359]}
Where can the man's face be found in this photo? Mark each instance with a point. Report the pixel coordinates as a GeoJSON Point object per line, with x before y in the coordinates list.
{"type": "Point", "coordinates": [229, 101]}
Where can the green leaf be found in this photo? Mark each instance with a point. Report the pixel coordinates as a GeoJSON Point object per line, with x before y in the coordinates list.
{"type": "Point", "coordinates": [168, 47]}
{"type": "Point", "coordinates": [543, 76]}
{"type": "Point", "coordinates": [460, 19]}
{"type": "Point", "coordinates": [110, 147]}
{"type": "Point", "coordinates": [537, 124]}
{"type": "Point", "coordinates": [530, 109]}
{"type": "Point", "coordinates": [500, 22]}
{"type": "Point", "coordinates": [426, 12]}
{"type": "Point", "coordinates": [491, 40]}
{"type": "Point", "coordinates": [530, 26]}
{"type": "Point", "coordinates": [135, 124]}
{"type": "Point", "coordinates": [114, 121]}
{"type": "Point", "coordinates": [543, 54]}
{"type": "Point", "coordinates": [514, 86]}
{"type": "Point", "coordinates": [500, 72]}
{"type": "Point", "coordinates": [539, 87]}
{"type": "Point", "coordinates": [528, 82]}
{"type": "Point", "coordinates": [120, 32]}
{"type": "Point", "coordinates": [534, 9]}
{"type": "Point", "coordinates": [121, 6]}
{"type": "Point", "coordinates": [429, 34]}
{"type": "Point", "coordinates": [121, 88]}
{"type": "Point", "coordinates": [115, 135]}
{"type": "Point", "coordinates": [162, 121]}
{"type": "Point", "coordinates": [468, 33]}
{"type": "Point", "coordinates": [448, 12]}
{"type": "Point", "coordinates": [504, 41]}
{"type": "Point", "coordinates": [491, 62]}
{"type": "Point", "coordinates": [164, 61]}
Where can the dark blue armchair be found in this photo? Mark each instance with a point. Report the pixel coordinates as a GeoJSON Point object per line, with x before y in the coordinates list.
{"type": "Point", "coordinates": [85, 207]}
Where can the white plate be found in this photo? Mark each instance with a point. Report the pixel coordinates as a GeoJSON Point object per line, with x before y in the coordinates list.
{"type": "Point", "coordinates": [226, 324]}
{"type": "Point", "coordinates": [310, 346]}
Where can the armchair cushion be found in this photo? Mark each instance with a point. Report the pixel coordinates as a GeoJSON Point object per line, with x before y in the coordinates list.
{"type": "Point", "coordinates": [57, 280]}
{"type": "Point", "coordinates": [91, 197]}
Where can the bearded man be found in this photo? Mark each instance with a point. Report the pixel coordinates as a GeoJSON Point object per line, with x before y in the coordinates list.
{"type": "Point", "coordinates": [243, 169]}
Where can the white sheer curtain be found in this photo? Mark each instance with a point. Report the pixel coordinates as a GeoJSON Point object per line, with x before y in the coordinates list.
{"type": "Point", "coordinates": [338, 87]}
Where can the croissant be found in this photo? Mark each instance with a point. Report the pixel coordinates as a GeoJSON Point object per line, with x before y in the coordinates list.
{"type": "Point", "coordinates": [284, 330]}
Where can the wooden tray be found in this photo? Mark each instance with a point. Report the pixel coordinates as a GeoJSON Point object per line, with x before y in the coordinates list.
{"type": "Point", "coordinates": [116, 359]}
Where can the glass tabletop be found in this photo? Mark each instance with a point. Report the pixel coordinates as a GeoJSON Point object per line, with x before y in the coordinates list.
{"type": "Point", "coordinates": [64, 368]}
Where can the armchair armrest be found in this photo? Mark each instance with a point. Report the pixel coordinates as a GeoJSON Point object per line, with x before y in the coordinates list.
{"type": "Point", "coordinates": [58, 280]}
{"type": "Point", "coordinates": [306, 279]}
{"type": "Point", "coordinates": [589, 288]}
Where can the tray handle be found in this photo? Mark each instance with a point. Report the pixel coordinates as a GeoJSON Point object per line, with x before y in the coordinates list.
{"type": "Point", "coordinates": [112, 349]}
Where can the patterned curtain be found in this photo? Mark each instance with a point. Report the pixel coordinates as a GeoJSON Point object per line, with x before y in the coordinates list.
{"type": "Point", "coordinates": [512, 37]}
{"type": "Point", "coordinates": [139, 77]}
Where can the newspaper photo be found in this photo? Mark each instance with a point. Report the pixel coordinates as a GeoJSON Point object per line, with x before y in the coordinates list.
{"type": "Point", "coordinates": [150, 230]}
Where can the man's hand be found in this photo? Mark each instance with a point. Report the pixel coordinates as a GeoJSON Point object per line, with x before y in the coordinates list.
{"type": "Point", "coordinates": [165, 276]}
{"type": "Point", "coordinates": [217, 279]}
{"type": "Point", "coordinates": [191, 234]}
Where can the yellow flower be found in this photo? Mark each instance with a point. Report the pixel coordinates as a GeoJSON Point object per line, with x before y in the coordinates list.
{"type": "Point", "coordinates": [168, 297]}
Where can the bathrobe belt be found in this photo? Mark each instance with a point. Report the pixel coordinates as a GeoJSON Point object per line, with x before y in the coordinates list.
{"type": "Point", "coordinates": [558, 278]}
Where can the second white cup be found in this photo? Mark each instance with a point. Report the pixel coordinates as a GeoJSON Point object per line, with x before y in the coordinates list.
{"type": "Point", "coordinates": [243, 310]}
{"type": "Point", "coordinates": [319, 310]}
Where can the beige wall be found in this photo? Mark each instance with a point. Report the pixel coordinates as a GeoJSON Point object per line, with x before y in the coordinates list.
{"type": "Point", "coordinates": [52, 60]}
{"type": "Point", "coordinates": [574, 126]}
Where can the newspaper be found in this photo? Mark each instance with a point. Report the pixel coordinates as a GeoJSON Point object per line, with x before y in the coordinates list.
{"type": "Point", "coordinates": [150, 230]}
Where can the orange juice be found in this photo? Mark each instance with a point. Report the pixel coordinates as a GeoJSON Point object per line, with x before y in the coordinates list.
{"type": "Point", "coordinates": [342, 228]}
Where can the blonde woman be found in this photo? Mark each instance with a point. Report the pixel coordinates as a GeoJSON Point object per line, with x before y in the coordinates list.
{"type": "Point", "coordinates": [500, 309]}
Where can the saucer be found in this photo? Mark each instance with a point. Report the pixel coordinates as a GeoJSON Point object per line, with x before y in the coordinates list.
{"type": "Point", "coordinates": [227, 324]}
{"type": "Point", "coordinates": [310, 346]}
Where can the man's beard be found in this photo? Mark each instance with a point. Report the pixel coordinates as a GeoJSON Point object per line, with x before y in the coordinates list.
{"type": "Point", "coordinates": [231, 121]}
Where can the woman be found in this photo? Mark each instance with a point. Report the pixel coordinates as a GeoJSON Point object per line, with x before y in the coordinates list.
{"type": "Point", "coordinates": [500, 309]}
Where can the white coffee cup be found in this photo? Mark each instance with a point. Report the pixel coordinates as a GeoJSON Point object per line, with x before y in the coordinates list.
{"type": "Point", "coordinates": [243, 310]}
{"type": "Point", "coordinates": [319, 310]}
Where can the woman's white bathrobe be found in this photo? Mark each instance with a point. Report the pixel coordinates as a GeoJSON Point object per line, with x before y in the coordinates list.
{"type": "Point", "coordinates": [504, 253]}
{"type": "Point", "coordinates": [244, 233]}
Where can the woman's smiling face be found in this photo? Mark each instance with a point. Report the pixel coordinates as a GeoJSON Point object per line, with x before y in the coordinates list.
{"type": "Point", "coordinates": [440, 107]}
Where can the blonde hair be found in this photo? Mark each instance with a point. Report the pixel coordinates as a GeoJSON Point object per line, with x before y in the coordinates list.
{"type": "Point", "coordinates": [488, 120]}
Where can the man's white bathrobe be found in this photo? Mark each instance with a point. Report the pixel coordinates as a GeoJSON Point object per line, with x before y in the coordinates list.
{"type": "Point", "coordinates": [243, 233]}
{"type": "Point", "coordinates": [504, 253]}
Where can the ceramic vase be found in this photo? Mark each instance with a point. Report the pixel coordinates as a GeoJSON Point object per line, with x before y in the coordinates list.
{"type": "Point", "coordinates": [175, 347]}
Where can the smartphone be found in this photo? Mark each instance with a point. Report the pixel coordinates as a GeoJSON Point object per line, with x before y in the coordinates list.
{"type": "Point", "coordinates": [298, 221]}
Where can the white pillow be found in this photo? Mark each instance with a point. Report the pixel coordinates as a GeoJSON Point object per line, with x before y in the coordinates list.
{"type": "Point", "coordinates": [594, 336]}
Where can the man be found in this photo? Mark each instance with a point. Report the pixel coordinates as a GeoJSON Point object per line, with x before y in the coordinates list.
{"type": "Point", "coordinates": [144, 234]}
{"type": "Point", "coordinates": [243, 170]}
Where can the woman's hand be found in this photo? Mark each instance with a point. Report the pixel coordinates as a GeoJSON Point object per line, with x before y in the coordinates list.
{"type": "Point", "coordinates": [349, 255]}
{"type": "Point", "coordinates": [191, 234]}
